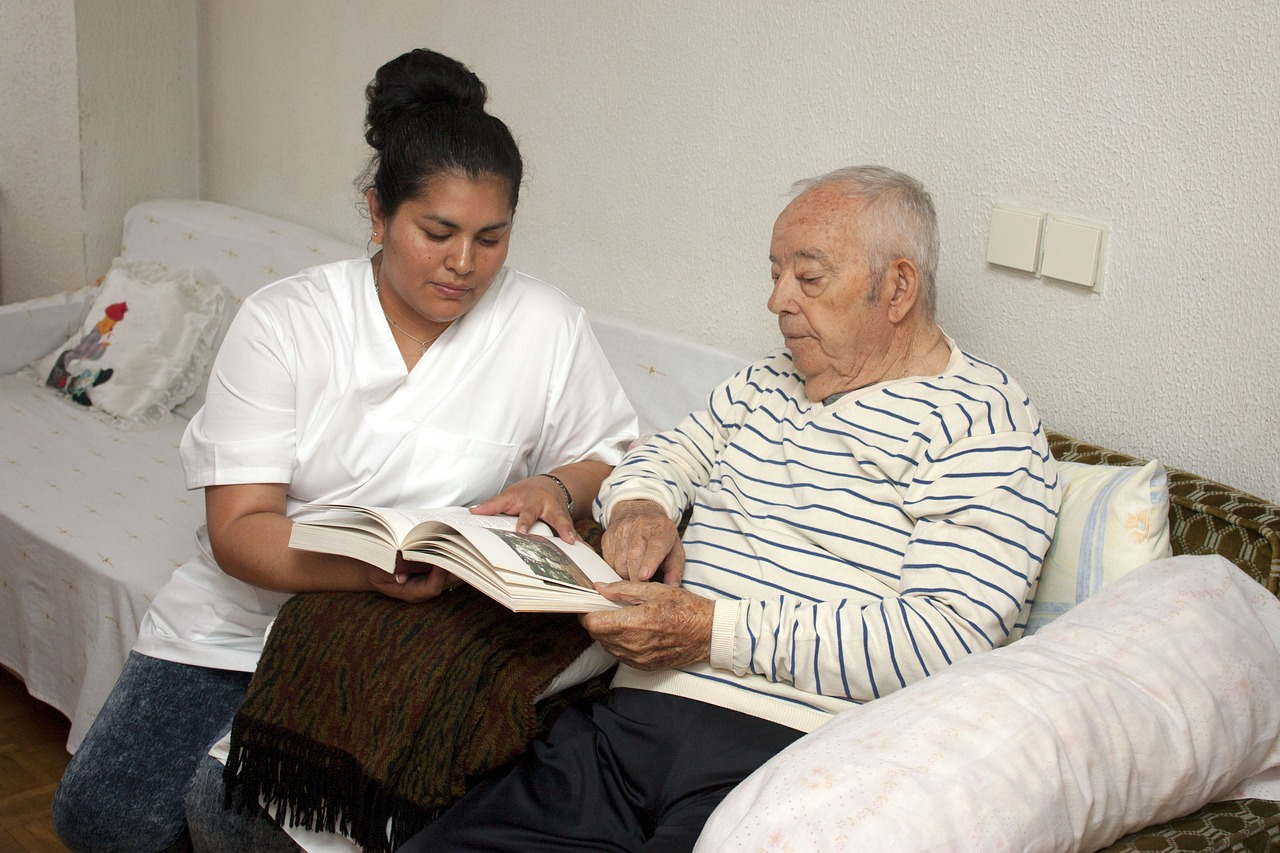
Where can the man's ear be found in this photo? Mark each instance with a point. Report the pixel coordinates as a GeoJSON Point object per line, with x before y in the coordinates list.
{"type": "Point", "coordinates": [902, 278]}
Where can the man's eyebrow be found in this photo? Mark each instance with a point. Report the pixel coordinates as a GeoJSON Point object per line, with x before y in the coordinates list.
{"type": "Point", "coordinates": [807, 254]}
{"type": "Point", "coordinates": [813, 255]}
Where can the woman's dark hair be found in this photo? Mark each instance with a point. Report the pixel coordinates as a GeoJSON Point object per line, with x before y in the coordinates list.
{"type": "Point", "coordinates": [426, 118]}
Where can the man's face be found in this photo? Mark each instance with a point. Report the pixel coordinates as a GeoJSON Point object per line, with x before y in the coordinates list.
{"type": "Point", "coordinates": [820, 293]}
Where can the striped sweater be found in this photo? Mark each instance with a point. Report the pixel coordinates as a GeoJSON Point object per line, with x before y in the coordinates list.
{"type": "Point", "coordinates": [852, 547]}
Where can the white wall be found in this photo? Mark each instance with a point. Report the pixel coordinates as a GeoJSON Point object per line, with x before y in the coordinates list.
{"type": "Point", "coordinates": [99, 112]}
{"type": "Point", "coordinates": [41, 220]}
{"type": "Point", "coordinates": [137, 112]}
{"type": "Point", "coordinates": [662, 136]}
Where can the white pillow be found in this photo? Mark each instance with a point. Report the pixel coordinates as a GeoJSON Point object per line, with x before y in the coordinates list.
{"type": "Point", "coordinates": [1112, 520]}
{"type": "Point", "coordinates": [187, 409]}
{"type": "Point", "coordinates": [143, 348]}
{"type": "Point", "coordinates": [1152, 698]}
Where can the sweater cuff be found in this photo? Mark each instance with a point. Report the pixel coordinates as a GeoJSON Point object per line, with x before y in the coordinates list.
{"type": "Point", "coordinates": [634, 493]}
{"type": "Point", "coordinates": [723, 626]}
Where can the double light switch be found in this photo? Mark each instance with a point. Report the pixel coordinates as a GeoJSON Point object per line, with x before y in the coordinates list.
{"type": "Point", "coordinates": [1059, 247]}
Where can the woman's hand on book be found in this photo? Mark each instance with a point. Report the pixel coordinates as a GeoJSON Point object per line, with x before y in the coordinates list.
{"type": "Point", "coordinates": [532, 499]}
{"type": "Point", "coordinates": [412, 582]}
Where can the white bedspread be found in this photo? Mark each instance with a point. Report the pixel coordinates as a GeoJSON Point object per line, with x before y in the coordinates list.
{"type": "Point", "coordinates": [89, 534]}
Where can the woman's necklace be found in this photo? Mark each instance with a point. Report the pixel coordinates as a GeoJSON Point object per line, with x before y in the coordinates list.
{"type": "Point", "coordinates": [377, 291]}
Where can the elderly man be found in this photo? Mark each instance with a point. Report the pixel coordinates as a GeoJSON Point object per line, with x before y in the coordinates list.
{"type": "Point", "coordinates": [868, 505]}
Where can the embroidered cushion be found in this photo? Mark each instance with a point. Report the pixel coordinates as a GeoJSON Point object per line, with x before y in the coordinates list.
{"type": "Point", "coordinates": [143, 348]}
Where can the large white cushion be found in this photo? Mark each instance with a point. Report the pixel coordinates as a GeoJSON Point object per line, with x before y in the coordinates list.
{"type": "Point", "coordinates": [1153, 697]}
{"type": "Point", "coordinates": [244, 249]}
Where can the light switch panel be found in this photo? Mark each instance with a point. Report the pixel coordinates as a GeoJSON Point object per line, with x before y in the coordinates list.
{"type": "Point", "coordinates": [1074, 251]}
{"type": "Point", "coordinates": [1014, 238]}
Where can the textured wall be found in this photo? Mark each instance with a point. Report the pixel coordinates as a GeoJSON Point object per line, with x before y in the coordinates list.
{"type": "Point", "coordinates": [662, 136]}
{"type": "Point", "coordinates": [99, 111]}
{"type": "Point", "coordinates": [41, 239]}
{"type": "Point", "coordinates": [137, 112]}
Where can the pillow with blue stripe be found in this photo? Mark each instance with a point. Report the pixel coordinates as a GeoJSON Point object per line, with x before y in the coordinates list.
{"type": "Point", "coordinates": [1113, 519]}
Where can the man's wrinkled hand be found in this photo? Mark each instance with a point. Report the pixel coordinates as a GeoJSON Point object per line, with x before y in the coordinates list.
{"type": "Point", "coordinates": [643, 544]}
{"type": "Point", "coordinates": [666, 627]}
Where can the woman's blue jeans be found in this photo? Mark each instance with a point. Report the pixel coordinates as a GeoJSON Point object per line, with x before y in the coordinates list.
{"type": "Point", "coordinates": [125, 786]}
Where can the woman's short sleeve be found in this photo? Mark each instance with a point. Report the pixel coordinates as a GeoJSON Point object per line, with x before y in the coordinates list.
{"type": "Point", "coordinates": [246, 430]}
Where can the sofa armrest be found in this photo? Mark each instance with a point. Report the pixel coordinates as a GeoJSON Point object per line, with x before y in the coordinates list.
{"type": "Point", "coordinates": [34, 328]}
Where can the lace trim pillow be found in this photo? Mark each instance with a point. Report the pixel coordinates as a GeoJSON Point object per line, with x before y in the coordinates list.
{"type": "Point", "coordinates": [144, 347]}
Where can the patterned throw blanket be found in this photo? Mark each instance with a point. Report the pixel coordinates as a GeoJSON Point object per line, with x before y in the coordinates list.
{"type": "Point", "coordinates": [365, 710]}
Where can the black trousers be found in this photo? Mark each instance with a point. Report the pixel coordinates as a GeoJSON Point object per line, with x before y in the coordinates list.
{"type": "Point", "coordinates": [643, 771]}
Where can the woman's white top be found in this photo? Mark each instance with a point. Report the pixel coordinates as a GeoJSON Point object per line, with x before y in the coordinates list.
{"type": "Point", "coordinates": [310, 389]}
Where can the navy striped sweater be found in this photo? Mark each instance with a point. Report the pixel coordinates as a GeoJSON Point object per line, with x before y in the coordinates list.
{"type": "Point", "coordinates": [852, 548]}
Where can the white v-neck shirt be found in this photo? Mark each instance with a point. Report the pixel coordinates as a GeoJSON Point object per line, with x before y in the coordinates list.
{"type": "Point", "coordinates": [309, 389]}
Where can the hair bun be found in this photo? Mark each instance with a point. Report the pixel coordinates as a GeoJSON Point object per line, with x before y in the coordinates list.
{"type": "Point", "coordinates": [419, 80]}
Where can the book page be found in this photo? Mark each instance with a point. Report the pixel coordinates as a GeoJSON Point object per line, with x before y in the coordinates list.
{"type": "Point", "coordinates": [401, 522]}
{"type": "Point", "coordinates": [523, 571]}
{"type": "Point", "coordinates": [548, 558]}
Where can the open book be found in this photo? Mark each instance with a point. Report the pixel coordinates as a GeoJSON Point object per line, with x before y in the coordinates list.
{"type": "Point", "coordinates": [525, 572]}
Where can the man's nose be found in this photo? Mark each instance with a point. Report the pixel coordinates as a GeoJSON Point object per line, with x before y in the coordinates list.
{"type": "Point", "coordinates": [781, 298]}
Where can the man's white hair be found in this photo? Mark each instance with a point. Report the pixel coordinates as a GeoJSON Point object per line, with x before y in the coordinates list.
{"type": "Point", "coordinates": [898, 221]}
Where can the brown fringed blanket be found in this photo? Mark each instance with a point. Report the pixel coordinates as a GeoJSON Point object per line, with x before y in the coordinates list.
{"type": "Point", "coordinates": [366, 710]}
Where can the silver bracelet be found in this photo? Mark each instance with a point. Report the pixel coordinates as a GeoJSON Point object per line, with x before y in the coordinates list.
{"type": "Point", "coordinates": [567, 496]}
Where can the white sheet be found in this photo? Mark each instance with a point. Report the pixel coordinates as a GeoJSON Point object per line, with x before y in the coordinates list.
{"type": "Point", "coordinates": [93, 521]}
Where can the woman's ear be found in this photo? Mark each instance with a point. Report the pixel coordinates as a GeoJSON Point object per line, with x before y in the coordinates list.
{"type": "Point", "coordinates": [376, 219]}
{"type": "Point", "coordinates": [904, 279]}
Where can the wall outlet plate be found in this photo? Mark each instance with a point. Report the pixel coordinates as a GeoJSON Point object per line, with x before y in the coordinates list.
{"type": "Point", "coordinates": [1014, 238]}
{"type": "Point", "coordinates": [1075, 251]}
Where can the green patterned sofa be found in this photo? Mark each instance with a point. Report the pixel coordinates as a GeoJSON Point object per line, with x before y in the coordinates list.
{"type": "Point", "coordinates": [1206, 518]}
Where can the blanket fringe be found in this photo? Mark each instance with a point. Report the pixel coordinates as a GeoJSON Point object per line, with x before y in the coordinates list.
{"type": "Point", "coordinates": [301, 782]}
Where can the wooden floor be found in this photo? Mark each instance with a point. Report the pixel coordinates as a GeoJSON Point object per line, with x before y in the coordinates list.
{"type": "Point", "coordinates": [33, 754]}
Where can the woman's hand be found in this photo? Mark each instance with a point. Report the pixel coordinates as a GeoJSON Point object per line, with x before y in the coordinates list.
{"type": "Point", "coordinates": [532, 499]}
{"type": "Point", "coordinates": [540, 498]}
{"type": "Point", "coordinates": [412, 582]}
